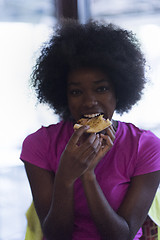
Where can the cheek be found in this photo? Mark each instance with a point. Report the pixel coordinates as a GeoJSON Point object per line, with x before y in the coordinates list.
{"type": "Point", "coordinates": [111, 103]}
{"type": "Point", "coordinates": [73, 105]}
{"type": "Point", "coordinates": [112, 99]}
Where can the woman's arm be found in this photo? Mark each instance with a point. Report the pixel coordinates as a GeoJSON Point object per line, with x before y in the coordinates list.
{"type": "Point", "coordinates": [53, 194]}
{"type": "Point", "coordinates": [126, 222]}
{"type": "Point", "coordinates": [46, 189]}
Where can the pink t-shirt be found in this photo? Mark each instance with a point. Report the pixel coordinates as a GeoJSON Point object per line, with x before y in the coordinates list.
{"type": "Point", "coordinates": [135, 152]}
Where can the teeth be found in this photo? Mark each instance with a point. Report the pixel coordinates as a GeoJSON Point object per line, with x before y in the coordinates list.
{"type": "Point", "coordinates": [91, 115]}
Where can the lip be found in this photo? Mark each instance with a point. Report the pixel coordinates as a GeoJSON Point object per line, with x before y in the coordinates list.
{"type": "Point", "coordinates": [92, 114]}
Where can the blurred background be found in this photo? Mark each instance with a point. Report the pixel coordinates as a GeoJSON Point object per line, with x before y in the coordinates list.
{"type": "Point", "coordinates": [24, 27]}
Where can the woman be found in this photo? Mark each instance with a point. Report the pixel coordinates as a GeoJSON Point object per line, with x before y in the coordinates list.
{"type": "Point", "coordinates": [91, 186]}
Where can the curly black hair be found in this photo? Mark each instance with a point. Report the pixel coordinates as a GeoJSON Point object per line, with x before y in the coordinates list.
{"type": "Point", "coordinates": [107, 47]}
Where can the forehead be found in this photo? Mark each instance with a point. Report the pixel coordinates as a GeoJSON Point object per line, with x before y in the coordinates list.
{"type": "Point", "coordinates": [87, 76]}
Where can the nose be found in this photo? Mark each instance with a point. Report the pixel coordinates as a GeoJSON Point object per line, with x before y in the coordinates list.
{"type": "Point", "coordinates": [89, 101]}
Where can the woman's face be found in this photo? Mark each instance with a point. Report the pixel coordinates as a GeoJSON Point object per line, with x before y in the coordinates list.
{"type": "Point", "coordinates": [90, 92]}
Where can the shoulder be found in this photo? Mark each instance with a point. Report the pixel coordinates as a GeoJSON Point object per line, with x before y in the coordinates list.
{"type": "Point", "coordinates": [129, 130]}
{"type": "Point", "coordinates": [46, 133]}
{"type": "Point", "coordinates": [38, 146]}
{"type": "Point", "coordinates": [128, 134]}
{"type": "Point", "coordinates": [143, 144]}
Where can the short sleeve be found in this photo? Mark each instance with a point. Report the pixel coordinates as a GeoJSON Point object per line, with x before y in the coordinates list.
{"type": "Point", "coordinates": [35, 149]}
{"type": "Point", "coordinates": [148, 154]}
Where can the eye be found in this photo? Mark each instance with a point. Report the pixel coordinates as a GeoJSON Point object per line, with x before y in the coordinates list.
{"type": "Point", "coordinates": [102, 89]}
{"type": "Point", "coordinates": [75, 92]}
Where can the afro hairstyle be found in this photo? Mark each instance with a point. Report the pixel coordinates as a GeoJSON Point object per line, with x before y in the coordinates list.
{"type": "Point", "coordinates": [107, 47]}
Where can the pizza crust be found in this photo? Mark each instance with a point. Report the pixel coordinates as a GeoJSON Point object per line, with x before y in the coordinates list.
{"type": "Point", "coordinates": [97, 124]}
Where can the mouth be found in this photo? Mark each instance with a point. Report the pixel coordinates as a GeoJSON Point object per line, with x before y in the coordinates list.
{"type": "Point", "coordinates": [91, 115]}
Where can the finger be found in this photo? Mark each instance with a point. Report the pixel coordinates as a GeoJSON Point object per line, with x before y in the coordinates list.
{"type": "Point", "coordinates": [98, 147]}
{"type": "Point", "coordinates": [107, 146]}
{"type": "Point", "coordinates": [77, 134]}
{"type": "Point", "coordinates": [90, 144]}
{"type": "Point", "coordinates": [96, 156]}
{"type": "Point", "coordinates": [110, 128]}
{"type": "Point", "coordinates": [113, 130]}
{"type": "Point", "coordinates": [111, 133]}
{"type": "Point", "coordinates": [107, 140]}
{"type": "Point", "coordinates": [87, 150]}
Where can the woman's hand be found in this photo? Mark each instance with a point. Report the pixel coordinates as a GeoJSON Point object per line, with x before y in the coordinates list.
{"type": "Point", "coordinates": [107, 141]}
{"type": "Point", "coordinates": [79, 155]}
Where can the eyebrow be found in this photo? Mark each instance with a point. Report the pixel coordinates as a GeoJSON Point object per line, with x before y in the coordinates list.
{"type": "Point", "coordinates": [101, 81]}
{"type": "Point", "coordinates": [95, 82]}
